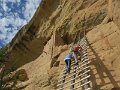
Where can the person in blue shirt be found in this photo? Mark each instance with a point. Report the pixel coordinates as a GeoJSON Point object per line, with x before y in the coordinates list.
{"type": "Point", "coordinates": [67, 60]}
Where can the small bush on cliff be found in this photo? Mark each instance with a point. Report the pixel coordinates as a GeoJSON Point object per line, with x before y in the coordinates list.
{"type": "Point", "coordinates": [4, 72]}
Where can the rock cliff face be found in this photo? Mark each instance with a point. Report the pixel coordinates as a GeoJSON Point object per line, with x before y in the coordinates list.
{"type": "Point", "coordinates": [40, 46]}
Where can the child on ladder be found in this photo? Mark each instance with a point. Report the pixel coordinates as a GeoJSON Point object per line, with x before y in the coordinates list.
{"type": "Point", "coordinates": [76, 49]}
{"type": "Point", "coordinates": [67, 60]}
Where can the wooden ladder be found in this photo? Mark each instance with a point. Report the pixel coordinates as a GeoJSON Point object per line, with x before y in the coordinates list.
{"type": "Point", "coordinates": [79, 76]}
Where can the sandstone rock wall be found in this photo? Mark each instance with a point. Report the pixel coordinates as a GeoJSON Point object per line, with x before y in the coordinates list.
{"type": "Point", "coordinates": [64, 16]}
{"type": "Point", "coordinates": [41, 46]}
{"type": "Point", "coordinates": [114, 11]}
{"type": "Point", "coordinates": [104, 52]}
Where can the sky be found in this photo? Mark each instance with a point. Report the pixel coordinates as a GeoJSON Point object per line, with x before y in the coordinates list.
{"type": "Point", "coordinates": [14, 14]}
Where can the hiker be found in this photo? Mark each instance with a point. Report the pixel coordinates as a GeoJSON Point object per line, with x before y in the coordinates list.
{"type": "Point", "coordinates": [76, 49]}
{"type": "Point", "coordinates": [67, 60]}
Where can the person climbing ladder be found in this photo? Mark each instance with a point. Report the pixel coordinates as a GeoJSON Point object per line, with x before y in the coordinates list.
{"type": "Point", "coordinates": [67, 60]}
{"type": "Point", "coordinates": [76, 50]}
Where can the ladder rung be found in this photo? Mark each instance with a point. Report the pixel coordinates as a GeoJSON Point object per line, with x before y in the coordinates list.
{"type": "Point", "coordinates": [84, 54]}
{"type": "Point", "coordinates": [84, 42]}
{"type": "Point", "coordinates": [85, 83]}
{"type": "Point", "coordinates": [77, 82]}
{"type": "Point", "coordinates": [84, 51]}
{"type": "Point", "coordinates": [84, 47]}
{"type": "Point", "coordinates": [88, 89]}
{"type": "Point", "coordinates": [81, 86]}
{"type": "Point", "coordinates": [75, 74]}
{"type": "Point", "coordinates": [85, 78]}
{"type": "Point", "coordinates": [71, 79]}
{"type": "Point", "coordinates": [78, 75]}
{"type": "Point", "coordinates": [85, 59]}
{"type": "Point", "coordinates": [79, 71]}
{"type": "Point", "coordinates": [79, 67]}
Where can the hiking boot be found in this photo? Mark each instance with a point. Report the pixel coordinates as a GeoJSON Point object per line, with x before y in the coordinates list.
{"type": "Point", "coordinates": [76, 63]}
{"type": "Point", "coordinates": [68, 71]}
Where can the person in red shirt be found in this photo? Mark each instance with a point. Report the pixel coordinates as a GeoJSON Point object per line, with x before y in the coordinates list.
{"type": "Point", "coordinates": [76, 49]}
